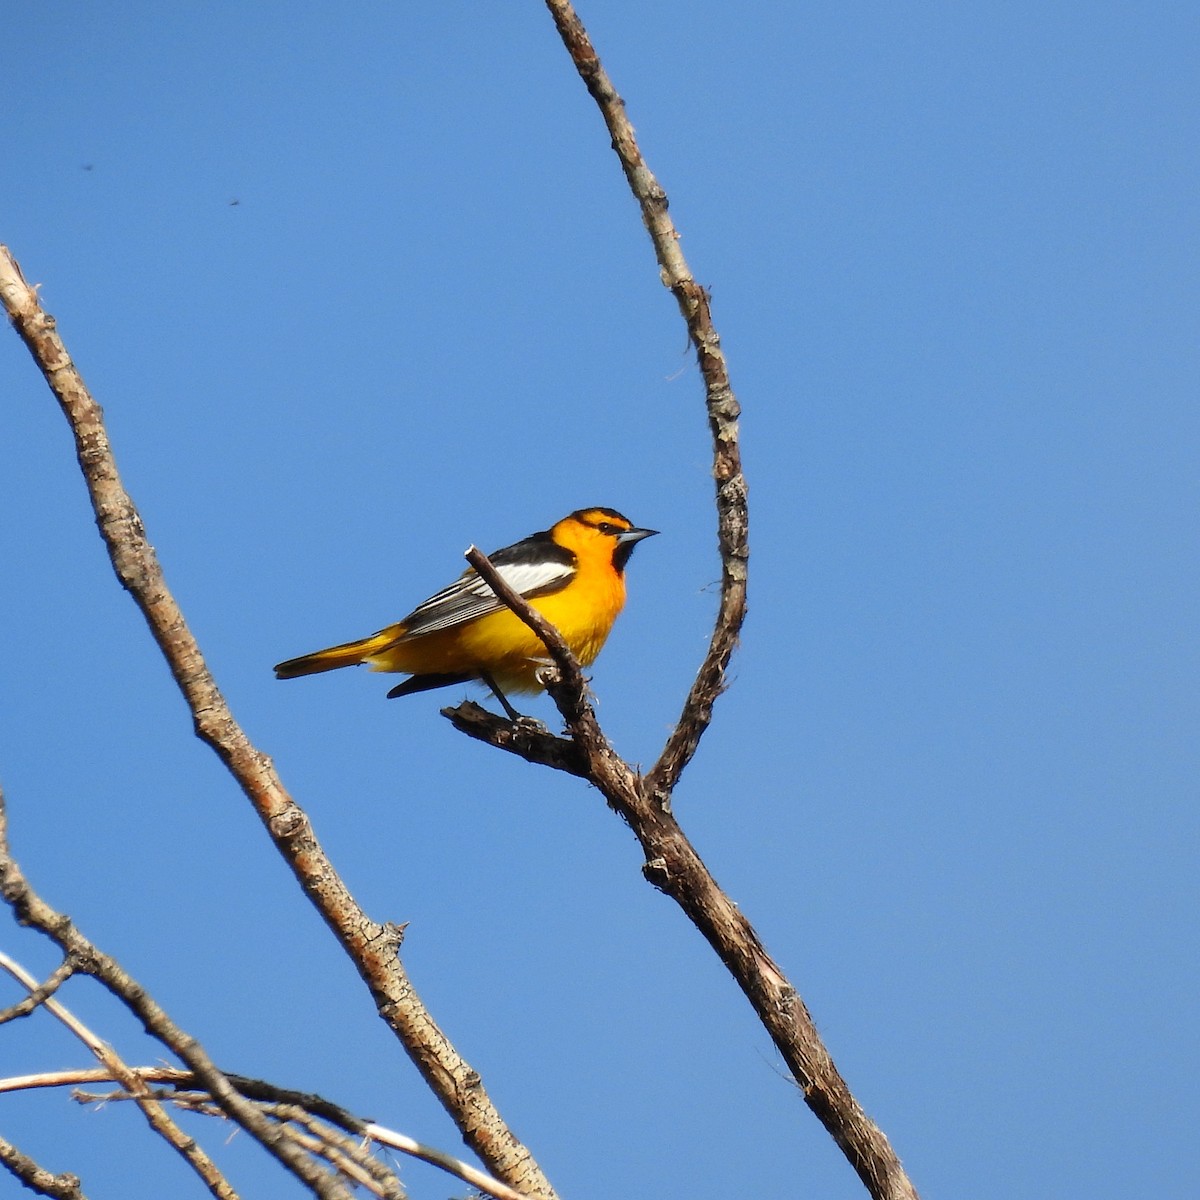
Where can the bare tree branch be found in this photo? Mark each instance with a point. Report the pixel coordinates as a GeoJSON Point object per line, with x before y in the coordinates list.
{"type": "Point", "coordinates": [32, 911]}
{"type": "Point", "coordinates": [345, 1156]}
{"type": "Point", "coordinates": [722, 405]}
{"type": "Point", "coordinates": [157, 1117]}
{"type": "Point", "coordinates": [37, 1178]}
{"type": "Point", "coordinates": [672, 864]}
{"type": "Point", "coordinates": [519, 738]}
{"type": "Point", "coordinates": [348, 1159]}
{"type": "Point", "coordinates": [273, 1099]}
{"type": "Point", "coordinates": [371, 946]}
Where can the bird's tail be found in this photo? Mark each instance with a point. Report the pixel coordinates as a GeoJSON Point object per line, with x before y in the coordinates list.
{"type": "Point", "coordinates": [348, 654]}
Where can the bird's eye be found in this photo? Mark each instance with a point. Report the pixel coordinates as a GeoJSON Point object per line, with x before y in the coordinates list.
{"type": "Point", "coordinates": [608, 528]}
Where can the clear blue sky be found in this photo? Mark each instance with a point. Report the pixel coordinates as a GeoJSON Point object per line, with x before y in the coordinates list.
{"type": "Point", "coordinates": [953, 254]}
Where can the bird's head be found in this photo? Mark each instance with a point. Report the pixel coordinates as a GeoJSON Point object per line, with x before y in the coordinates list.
{"type": "Point", "coordinates": [591, 530]}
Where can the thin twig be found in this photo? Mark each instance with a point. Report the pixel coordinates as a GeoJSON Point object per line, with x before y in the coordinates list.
{"type": "Point", "coordinates": [261, 1092]}
{"type": "Point", "coordinates": [347, 1158]}
{"type": "Point", "coordinates": [32, 911]}
{"type": "Point", "coordinates": [455, 1166]}
{"type": "Point", "coordinates": [372, 947]}
{"type": "Point", "coordinates": [342, 1152]}
{"type": "Point", "coordinates": [54, 1007]}
{"type": "Point", "coordinates": [39, 994]}
{"type": "Point", "coordinates": [157, 1117]}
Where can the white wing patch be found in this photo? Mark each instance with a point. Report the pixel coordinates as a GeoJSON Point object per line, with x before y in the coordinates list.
{"type": "Point", "coordinates": [469, 598]}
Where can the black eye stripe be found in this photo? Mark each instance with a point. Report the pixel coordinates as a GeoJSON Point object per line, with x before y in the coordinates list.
{"type": "Point", "coordinates": [603, 520]}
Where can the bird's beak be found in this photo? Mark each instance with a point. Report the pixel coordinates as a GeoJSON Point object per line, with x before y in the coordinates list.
{"type": "Point", "coordinates": [634, 535]}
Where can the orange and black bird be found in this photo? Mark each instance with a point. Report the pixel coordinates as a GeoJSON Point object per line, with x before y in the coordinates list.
{"type": "Point", "coordinates": [573, 573]}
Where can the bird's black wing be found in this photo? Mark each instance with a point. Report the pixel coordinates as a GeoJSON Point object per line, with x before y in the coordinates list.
{"type": "Point", "coordinates": [535, 566]}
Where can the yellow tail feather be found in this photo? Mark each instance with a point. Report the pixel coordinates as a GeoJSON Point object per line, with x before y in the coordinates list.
{"type": "Point", "coordinates": [348, 654]}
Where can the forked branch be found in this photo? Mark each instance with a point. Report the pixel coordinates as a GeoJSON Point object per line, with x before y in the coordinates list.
{"type": "Point", "coordinates": [672, 864]}
{"type": "Point", "coordinates": [296, 1126]}
{"type": "Point", "coordinates": [354, 1137]}
{"type": "Point", "coordinates": [31, 910]}
{"type": "Point", "coordinates": [372, 946]}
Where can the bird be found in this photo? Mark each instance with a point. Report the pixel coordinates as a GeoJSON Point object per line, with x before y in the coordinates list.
{"type": "Point", "coordinates": [573, 573]}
